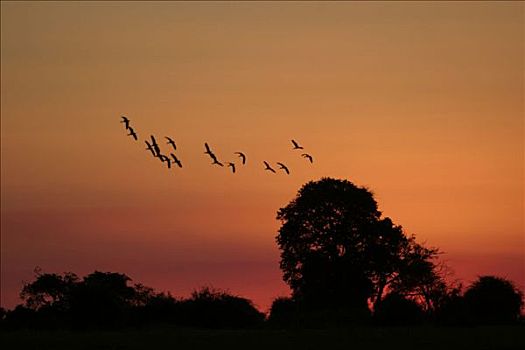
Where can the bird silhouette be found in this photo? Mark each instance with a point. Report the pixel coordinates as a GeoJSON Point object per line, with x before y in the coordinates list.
{"type": "Point", "coordinates": [284, 167]}
{"type": "Point", "coordinates": [171, 142]}
{"type": "Point", "coordinates": [132, 133]}
{"type": "Point", "coordinates": [163, 158]}
{"type": "Point", "coordinates": [268, 167]}
{"type": "Point", "coordinates": [232, 165]}
{"type": "Point", "coordinates": [176, 160]}
{"type": "Point", "coordinates": [155, 145]}
{"type": "Point", "coordinates": [208, 150]}
{"type": "Point", "coordinates": [125, 120]}
{"type": "Point", "coordinates": [296, 145]}
{"type": "Point", "coordinates": [212, 155]}
{"type": "Point", "coordinates": [150, 148]}
{"type": "Point", "coordinates": [309, 157]}
{"type": "Point", "coordinates": [242, 156]}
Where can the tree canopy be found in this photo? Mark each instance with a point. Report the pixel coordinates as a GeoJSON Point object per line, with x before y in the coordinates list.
{"type": "Point", "coordinates": [337, 248]}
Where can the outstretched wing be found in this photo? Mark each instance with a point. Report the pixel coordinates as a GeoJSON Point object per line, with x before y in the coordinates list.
{"type": "Point", "coordinates": [242, 156]}
{"type": "Point", "coordinates": [296, 145]}
{"type": "Point", "coordinates": [310, 158]}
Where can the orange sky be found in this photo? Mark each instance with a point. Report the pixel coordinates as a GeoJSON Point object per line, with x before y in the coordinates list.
{"type": "Point", "coordinates": [421, 102]}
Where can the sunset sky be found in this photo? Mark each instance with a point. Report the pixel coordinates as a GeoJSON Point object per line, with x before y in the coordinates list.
{"type": "Point", "coordinates": [421, 102]}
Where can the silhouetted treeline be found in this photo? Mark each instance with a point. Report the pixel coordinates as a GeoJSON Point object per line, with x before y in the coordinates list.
{"type": "Point", "coordinates": [490, 300]}
{"type": "Point", "coordinates": [107, 300]}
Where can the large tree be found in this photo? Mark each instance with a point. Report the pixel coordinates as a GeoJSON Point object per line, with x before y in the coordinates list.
{"type": "Point", "coordinates": [336, 247]}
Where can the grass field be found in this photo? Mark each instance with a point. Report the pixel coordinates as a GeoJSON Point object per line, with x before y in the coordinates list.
{"type": "Point", "coordinates": [421, 338]}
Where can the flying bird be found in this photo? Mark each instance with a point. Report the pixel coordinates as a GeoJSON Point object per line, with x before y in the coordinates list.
{"type": "Point", "coordinates": [155, 145]}
{"type": "Point", "coordinates": [176, 160]}
{"type": "Point", "coordinates": [150, 148]}
{"type": "Point", "coordinates": [309, 157]}
{"type": "Point", "coordinates": [125, 120]}
{"type": "Point", "coordinates": [171, 142]}
{"type": "Point", "coordinates": [164, 158]}
{"type": "Point", "coordinates": [208, 150]}
{"type": "Point", "coordinates": [132, 133]}
{"type": "Point", "coordinates": [232, 165]}
{"type": "Point", "coordinates": [296, 145]}
{"type": "Point", "coordinates": [284, 167]}
{"type": "Point", "coordinates": [212, 155]}
{"type": "Point", "coordinates": [268, 167]}
{"type": "Point", "coordinates": [153, 141]}
{"type": "Point", "coordinates": [242, 156]}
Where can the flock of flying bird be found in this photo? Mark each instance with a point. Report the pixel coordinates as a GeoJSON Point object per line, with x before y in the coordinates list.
{"type": "Point", "coordinates": [154, 148]}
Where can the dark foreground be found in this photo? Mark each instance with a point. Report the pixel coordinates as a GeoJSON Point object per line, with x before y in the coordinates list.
{"type": "Point", "coordinates": [353, 338]}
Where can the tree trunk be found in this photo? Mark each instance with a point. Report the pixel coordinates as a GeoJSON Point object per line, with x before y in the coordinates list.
{"type": "Point", "coordinates": [379, 295]}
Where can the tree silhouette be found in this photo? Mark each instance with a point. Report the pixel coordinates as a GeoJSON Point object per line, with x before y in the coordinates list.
{"type": "Point", "coordinates": [424, 281]}
{"type": "Point", "coordinates": [48, 290]}
{"type": "Point", "coordinates": [493, 300]}
{"type": "Point", "coordinates": [102, 299]}
{"type": "Point", "coordinates": [336, 249]}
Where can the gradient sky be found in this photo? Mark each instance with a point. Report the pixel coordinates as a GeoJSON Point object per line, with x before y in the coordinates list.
{"type": "Point", "coordinates": [421, 102]}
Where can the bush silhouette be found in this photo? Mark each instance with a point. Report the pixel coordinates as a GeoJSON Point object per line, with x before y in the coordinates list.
{"type": "Point", "coordinates": [159, 308]}
{"type": "Point", "coordinates": [211, 308]}
{"type": "Point", "coordinates": [283, 312]}
{"type": "Point", "coordinates": [493, 300]}
{"type": "Point", "coordinates": [21, 317]}
{"type": "Point", "coordinates": [452, 311]}
{"type": "Point", "coordinates": [396, 310]}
